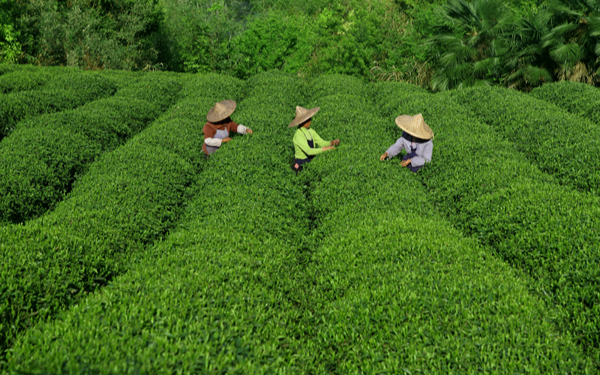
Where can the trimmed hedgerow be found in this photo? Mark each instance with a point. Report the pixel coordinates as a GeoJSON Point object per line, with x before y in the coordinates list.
{"type": "Point", "coordinates": [578, 98]}
{"type": "Point", "coordinates": [128, 199]}
{"type": "Point", "coordinates": [493, 193]}
{"type": "Point", "coordinates": [243, 286]}
{"type": "Point", "coordinates": [37, 77]}
{"type": "Point", "coordinates": [161, 90]}
{"type": "Point", "coordinates": [22, 81]}
{"type": "Point", "coordinates": [560, 143]}
{"type": "Point", "coordinates": [9, 68]}
{"type": "Point", "coordinates": [223, 286]}
{"type": "Point", "coordinates": [396, 288]}
{"type": "Point", "coordinates": [205, 85]}
{"type": "Point", "coordinates": [69, 92]}
{"type": "Point", "coordinates": [38, 165]}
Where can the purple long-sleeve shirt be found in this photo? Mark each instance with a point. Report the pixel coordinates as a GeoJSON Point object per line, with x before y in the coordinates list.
{"type": "Point", "coordinates": [424, 151]}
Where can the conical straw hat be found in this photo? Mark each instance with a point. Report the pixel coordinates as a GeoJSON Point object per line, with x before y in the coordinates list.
{"type": "Point", "coordinates": [221, 111]}
{"type": "Point", "coordinates": [303, 114]}
{"type": "Point", "coordinates": [415, 126]}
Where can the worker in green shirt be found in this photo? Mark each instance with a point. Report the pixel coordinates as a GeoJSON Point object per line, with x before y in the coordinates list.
{"type": "Point", "coordinates": [307, 142]}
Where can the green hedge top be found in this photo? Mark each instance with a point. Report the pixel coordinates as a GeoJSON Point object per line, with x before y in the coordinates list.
{"type": "Point", "coordinates": [223, 283]}
{"type": "Point", "coordinates": [160, 90]}
{"type": "Point", "coordinates": [128, 199]}
{"type": "Point", "coordinates": [336, 84]}
{"type": "Point", "coordinates": [21, 81]}
{"type": "Point", "coordinates": [578, 98]}
{"type": "Point", "coordinates": [67, 91]}
{"type": "Point", "coordinates": [492, 192]}
{"type": "Point", "coordinates": [207, 85]}
{"type": "Point", "coordinates": [560, 143]}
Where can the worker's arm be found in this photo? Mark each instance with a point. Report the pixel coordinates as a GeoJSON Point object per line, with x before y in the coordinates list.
{"type": "Point", "coordinates": [418, 161]}
{"type": "Point", "coordinates": [318, 140]}
{"type": "Point", "coordinates": [302, 143]}
{"type": "Point", "coordinates": [395, 148]}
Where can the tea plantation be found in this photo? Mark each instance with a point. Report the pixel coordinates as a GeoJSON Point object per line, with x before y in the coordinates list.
{"type": "Point", "coordinates": [125, 251]}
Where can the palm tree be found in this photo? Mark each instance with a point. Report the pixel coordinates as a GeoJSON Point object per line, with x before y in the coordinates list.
{"type": "Point", "coordinates": [574, 43]}
{"type": "Point", "coordinates": [477, 57]}
{"type": "Point", "coordinates": [529, 62]}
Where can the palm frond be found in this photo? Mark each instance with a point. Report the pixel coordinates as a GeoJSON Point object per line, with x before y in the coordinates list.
{"type": "Point", "coordinates": [481, 68]}
{"type": "Point", "coordinates": [460, 72]}
{"type": "Point", "coordinates": [567, 54]}
{"type": "Point", "coordinates": [460, 11]}
{"type": "Point", "coordinates": [458, 53]}
{"type": "Point", "coordinates": [482, 82]}
{"type": "Point", "coordinates": [558, 6]}
{"type": "Point", "coordinates": [593, 25]}
{"type": "Point", "coordinates": [536, 76]}
{"type": "Point", "coordinates": [561, 30]}
{"type": "Point", "coordinates": [440, 82]}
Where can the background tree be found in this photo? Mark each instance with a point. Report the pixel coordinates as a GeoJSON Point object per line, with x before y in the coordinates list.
{"type": "Point", "coordinates": [574, 41]}
{"type": "Point", "coordinates": [478, 55]}
{"type": "Point", "coordinates": [10, 48]}
{"type": "Point", "coordinates": [92, 34]}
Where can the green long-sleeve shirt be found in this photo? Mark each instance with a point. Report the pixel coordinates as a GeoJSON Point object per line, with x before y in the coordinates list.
{"type": "Point", "coordinates": [301, 138]}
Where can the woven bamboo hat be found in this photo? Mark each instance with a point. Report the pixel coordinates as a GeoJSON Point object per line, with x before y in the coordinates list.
{"type": "Point", "coordinates": [303, 114]}
{"type": "Point", "coordinates": [221, 110]}
{"type": "Point", "coordinates": [415, 126]}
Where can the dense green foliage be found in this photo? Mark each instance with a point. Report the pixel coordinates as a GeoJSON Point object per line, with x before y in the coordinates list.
{"type": "Point", "coordinates": [561, 144]}
{"type": "Point", "coordinates": [486, 185]}
{"type": "Point", "coordinates": [439, 44]}
{"type": "Point", "coordinates": [558, 41]}
{"type": "Point", "coordinates": [64, 91]}
{"type": "Point", "coordinates": [127, 200]}
{"type": "Point", "coordinates": [578, 98]}
{"type": "Point", "coordinates": [396, 288]}
{"type": "Point", "coordinates": [228, 271]}
{"type": "Point", "coordinates": [90, 34]}
{"type": "Point", "coordinates": [43, 157]}
{"type": "Point", "coordinates": [345, 268]}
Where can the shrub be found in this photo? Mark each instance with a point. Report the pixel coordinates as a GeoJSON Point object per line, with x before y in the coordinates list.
{"type": "Point", "coordinates": [578, 98]}
{"type": "Point", "coordinates": [128, 199]}
{"type": "Point", "coordinates": [223, 283]}
{"type": "Point", "coordinates": [244, 286]}
{"type": "Point", "coordinates": [493, 193]}
{"type": "Point", "coordinates": [38, 144]}
{"type": "Point", "coordinates": [162, 90]}
{"type": "Point", "coordinates": [559, 143]}
{"type": "Point", "coordinates": [68, 93]}
{"type": "Point", "coordinates": [388, 270]}
{"type": "Point", "coordinates": [21, 81]}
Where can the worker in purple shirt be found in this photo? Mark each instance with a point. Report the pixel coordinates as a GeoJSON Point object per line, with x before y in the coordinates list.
{"type": "Point", "coordinates": [416, 140]}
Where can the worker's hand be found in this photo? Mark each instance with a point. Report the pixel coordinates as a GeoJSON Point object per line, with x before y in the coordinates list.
{"type": "Point", "coordinates": [405, 163]}
{"type": "Point", "coordinates": [328, 148]}
{"type": "Point", "coordinates": [225, 140]}
{"type": "Point", "coordinates": [249, 131]}
{"type": "Point", "coordinates": [335, 142]}
{"type": "Point", "coordinates": [382, 158]}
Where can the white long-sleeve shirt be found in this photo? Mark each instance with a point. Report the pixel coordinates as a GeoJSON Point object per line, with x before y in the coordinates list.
{"type": "Point", "coordinates": [216, 142]}
{"type": "Point", "coordinates": [424, 151]}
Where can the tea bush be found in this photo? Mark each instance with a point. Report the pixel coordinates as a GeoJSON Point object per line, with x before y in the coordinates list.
{"type": "Point", "coordinates": [223, 285]}
{"type": "Point", "coordinates": [578, 98]}
{"type": "Point", "coordinates": [18, 81]}
{"type": "Point", "coordinates": [396, 288]}
{"type": "Point", "coordinates": [128, 199]}
{"type": "Point", "coordinates": [9, 68]}
{"type": "Point", "coordinates": [44, 156]}
{"type": "Point", "coordinates": [561, 144]}
{"type": "Point", "coordinates": [343, 268]}
{"type": "Point", "coordinates": [490, 190]}
{"type": "Point", "coordinates": [68, 91]}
